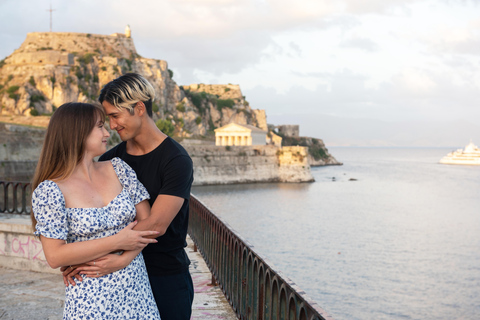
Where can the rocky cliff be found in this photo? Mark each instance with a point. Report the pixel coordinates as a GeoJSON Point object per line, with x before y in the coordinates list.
{"type": "Point", "coordinates": [52, 68]}
{"type": "Point", "coordinates": [318, 154]}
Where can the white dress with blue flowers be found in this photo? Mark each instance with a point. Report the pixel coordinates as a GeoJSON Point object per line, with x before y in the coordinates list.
{"type": "Point", "coordinates": [124, 294]}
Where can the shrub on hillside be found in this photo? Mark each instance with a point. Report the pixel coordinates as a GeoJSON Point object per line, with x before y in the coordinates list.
{"type": "Point", "coordinates": [165, 126]}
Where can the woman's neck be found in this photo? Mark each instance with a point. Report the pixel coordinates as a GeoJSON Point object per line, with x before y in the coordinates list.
{"type": "Point", "coordinates": [85, 168]}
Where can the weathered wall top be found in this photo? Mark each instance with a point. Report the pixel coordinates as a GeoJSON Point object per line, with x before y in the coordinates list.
{"type": "Point", "coordinates": [117, 44]}
{"type": "Point", "coordinates": [42, 57]}
{"type": "Point", "coordinates": [223, 91]}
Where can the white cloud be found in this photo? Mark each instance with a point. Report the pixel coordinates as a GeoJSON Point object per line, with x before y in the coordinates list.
{"type": "Point", "coordinates": [359, 43]}
{"type": "Point", "coordinates": [375, 6]}
{"type": "Point", "coordinates": [415, 81]}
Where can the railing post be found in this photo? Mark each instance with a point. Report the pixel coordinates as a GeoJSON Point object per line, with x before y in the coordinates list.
{"type": "Point", "coordinates": [11, 195]}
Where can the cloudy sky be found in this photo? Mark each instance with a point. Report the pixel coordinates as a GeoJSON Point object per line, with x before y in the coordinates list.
{"type": "Point", "coordinates": [390, 61]}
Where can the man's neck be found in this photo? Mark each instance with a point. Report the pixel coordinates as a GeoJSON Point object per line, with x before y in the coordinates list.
{"type": "Point", "coordinates": [149, 138]}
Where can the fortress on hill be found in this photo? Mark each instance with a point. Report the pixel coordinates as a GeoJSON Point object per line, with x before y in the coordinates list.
{"type": "Point", "coordinates": [52, 68]}
{"type": "Point", "coordinates": [60, 48]}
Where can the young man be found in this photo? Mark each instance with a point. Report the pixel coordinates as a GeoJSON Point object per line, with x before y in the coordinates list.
{"type": "Point", "coordinates": [165, 169]}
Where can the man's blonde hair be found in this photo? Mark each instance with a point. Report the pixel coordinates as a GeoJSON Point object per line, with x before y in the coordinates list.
{"type": "Point", "coordinates": [125, 91]}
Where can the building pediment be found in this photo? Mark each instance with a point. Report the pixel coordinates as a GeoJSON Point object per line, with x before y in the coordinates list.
{"type": "Point", "coordinates": [233, 127]}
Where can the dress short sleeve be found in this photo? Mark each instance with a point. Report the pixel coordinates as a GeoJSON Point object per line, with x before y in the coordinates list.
{"type": "Point", "coordinates": [129, 180]}
{"type": "Point", "coordinates": [48, 206]}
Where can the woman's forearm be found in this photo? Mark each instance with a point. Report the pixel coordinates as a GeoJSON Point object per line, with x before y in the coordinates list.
{"type": "Point", "coordinates": [129, 255]}
{"type": "Point", "coordinates": [58, 253]}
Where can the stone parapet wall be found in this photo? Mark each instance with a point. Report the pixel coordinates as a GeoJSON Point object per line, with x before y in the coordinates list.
{"type": "Point", "coordinates": [17, 170]}
{"type": "Point", "coordinates": [19, 248]}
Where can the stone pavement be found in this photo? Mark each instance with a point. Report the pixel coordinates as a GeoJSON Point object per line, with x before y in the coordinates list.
{"type": "Point", "coordinates": [27, 295]}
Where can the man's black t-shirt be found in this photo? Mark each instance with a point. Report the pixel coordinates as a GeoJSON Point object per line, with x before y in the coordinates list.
{"type": "Point", "coordinates": [166, 170]}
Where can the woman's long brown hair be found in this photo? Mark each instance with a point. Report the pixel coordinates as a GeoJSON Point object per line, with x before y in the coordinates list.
{"type": "Point", "coordinates": [64, 143]}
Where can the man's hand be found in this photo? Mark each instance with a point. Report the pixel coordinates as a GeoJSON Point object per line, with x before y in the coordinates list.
{"type": "Point", "coordinates": [129, 239]}
{"type": "Point", "coordinates": [70, 273]}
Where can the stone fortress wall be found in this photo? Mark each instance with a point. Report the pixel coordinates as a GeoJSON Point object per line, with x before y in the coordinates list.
{"type": "Point", "coordinates": [289, 130]}
{"type": "Point", "coordinates": [247, 164]}
{"type": "Point", "coordinates": [43, 57]}
{"type": "Point", "coordinates": [223, 91]}
{"type": "Point", "coordinates": [117, 45]}
{"type": "Point", "coordinates": [20, 148]}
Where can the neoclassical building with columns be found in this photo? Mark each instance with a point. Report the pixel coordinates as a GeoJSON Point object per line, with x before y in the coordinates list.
{"type": "Point", "coordinates": [234, 134]}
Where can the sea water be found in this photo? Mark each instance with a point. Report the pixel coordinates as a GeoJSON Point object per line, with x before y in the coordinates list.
{"type": "Point", "coordinates": [391, 234]}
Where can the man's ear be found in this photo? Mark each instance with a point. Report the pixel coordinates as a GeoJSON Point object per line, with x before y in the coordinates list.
{"type": "Point", "coordinates": [140, 108]}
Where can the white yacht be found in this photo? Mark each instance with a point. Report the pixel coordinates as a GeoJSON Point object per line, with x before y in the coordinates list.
{"type": "Point", "coordinates": [468, 156]}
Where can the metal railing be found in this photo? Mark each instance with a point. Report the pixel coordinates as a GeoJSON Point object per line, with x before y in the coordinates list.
{"type": "Point", "coordinates": [15, 197]}
{"type": "Point", "coordinates": [252, 287]}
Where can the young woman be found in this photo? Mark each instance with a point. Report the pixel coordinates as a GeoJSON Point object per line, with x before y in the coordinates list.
{"type": "Point", "coordinates": [83, 210]}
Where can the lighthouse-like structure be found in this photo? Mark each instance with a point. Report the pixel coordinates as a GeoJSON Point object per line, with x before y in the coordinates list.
{"type": "Point", "coordinates": [128, 31]}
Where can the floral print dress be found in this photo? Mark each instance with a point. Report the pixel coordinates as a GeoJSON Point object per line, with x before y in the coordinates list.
{"type": "Point", "coordinates": [124, 294]}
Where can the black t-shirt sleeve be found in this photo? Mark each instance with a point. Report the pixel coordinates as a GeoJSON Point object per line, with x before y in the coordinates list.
{"type": "Point", "coordinates": [178, 177]}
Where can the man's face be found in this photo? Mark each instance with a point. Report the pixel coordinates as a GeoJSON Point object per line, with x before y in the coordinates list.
{"type": "Point", "coordinates": [127, 125]}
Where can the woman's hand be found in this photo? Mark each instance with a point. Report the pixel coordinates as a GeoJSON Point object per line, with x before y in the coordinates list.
{"type": "Point", "coordinates": [129, 239]}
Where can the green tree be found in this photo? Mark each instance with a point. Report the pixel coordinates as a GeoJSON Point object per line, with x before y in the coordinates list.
{"type": "Point", "coordinates": [165, 126]}
{"type": "Point", "coordinates": [181, 107]}
{"type": "Point", "coordinates": [225, 103]}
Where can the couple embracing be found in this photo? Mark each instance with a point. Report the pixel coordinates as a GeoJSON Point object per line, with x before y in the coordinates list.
{"type": "Point", "coordinates": [95, 219]}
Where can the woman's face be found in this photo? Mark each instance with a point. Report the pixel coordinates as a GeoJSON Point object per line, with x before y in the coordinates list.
{"type": "Point", "coordinates": [96, 143]}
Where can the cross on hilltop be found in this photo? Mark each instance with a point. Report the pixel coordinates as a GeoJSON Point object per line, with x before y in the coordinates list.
{"type": "Point", "coordinates": [51, 10]}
